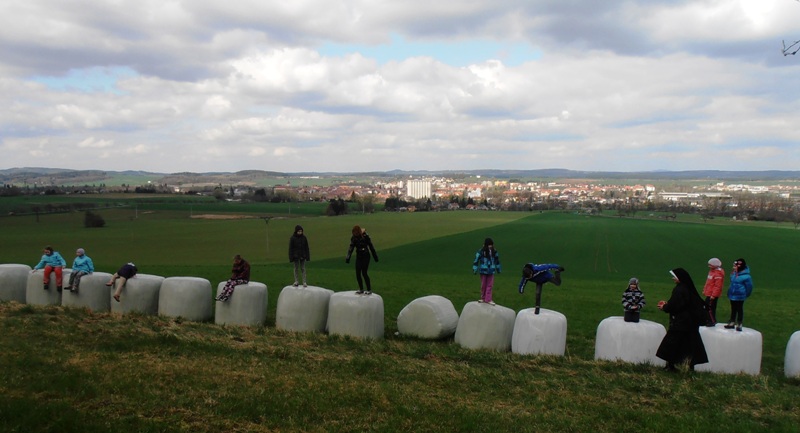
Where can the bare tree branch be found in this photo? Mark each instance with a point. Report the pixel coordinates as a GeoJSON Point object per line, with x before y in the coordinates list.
{"type": "Point", "coordinates": [792, 49]}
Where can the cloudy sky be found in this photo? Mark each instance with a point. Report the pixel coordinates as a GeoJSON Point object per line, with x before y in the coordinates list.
{"type": "Point", "coordinates": [362, 85]}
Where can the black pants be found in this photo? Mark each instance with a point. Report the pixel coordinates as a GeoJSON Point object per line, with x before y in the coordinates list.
{"type": "Point", "coordinates": [362, 266]}
{"type": "Point", "coordinates": [712, 310]}
{"type": "Point", "coordinates": [631, 316]}
{"type": "Point", "coordinates": [737, 311]}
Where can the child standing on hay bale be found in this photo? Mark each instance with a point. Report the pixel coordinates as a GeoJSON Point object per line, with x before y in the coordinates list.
{"type": "Point", "coordinates": [540, 274]}
{"type": "Point", "coordinates": [632, 301]}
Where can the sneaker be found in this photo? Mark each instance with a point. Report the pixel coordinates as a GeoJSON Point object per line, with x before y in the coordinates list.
{"type": "Point", "coordinates": [480, 301]}
{"type": "Point", "coordinates": [729, 326]}
{"type": "Point", "coordinates": [492, 303]}
{"type": "Point", "coordinates": [368, 292]}
{"type": "Point", "coordinates": [359, 292]}
{"type": "Point", "coordinates": [305, 285]}
{"type": "Point", "coordinates": [739, 328]}
{"type": "Point", "coordinates": [46, 286]}
{"type": "Point", "coordinates": [294, 284]}
{"type": "Point", "coordinates": [74, 290]}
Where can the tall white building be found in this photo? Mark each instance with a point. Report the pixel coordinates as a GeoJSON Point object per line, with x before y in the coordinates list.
{"type": "Point", "coordinates": [418, 189]}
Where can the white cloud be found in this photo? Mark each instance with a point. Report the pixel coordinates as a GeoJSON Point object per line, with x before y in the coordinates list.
{"type": "Point", "coordinates": [210, 86]}
{"type": "Point", "coordinates": [216, 106]}
{"type": "Point", "coordinates": [93, 143]}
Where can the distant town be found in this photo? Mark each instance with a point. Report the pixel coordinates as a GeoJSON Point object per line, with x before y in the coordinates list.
{"type": "Point", "coordinates": [407, 193]}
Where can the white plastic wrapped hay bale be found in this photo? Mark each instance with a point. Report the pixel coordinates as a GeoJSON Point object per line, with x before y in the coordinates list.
{"type": "Point", "coordinates": [93, 293]}
{"type": "Point", "coordinates": [730, 351]}
{"type": "Point", "coordinates": [140, 295]}
{"type": "Point", "coordinates": [539, 334]}
{"type": "Point", "coordinates": [485, 326]}
{"type": "Point", "coordinates": [636, 343]}
{"type": "Point", "coordinates": [356, 315]}
{"type": "Point", "coordinates": [791, 364]}
{"type": "Point", "coordinates": [304, 309]}
{"type": "Point", "coordinates": [35, 293]}
{"type": "Point", "coordinates": [430, 317]}
{"type": "Point", "coordinates": [186, 297]}
{"type": "Point", "coordinates": [14, 282]}
{"type": "Point", "coordinates": [247, 306]}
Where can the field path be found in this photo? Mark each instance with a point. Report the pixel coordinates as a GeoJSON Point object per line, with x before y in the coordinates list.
{"type": "Point", "coordinates": [602, 249]}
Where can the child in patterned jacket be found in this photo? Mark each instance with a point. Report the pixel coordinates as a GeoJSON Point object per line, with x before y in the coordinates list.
{"type": "Point", "coordinates": [633, 301]}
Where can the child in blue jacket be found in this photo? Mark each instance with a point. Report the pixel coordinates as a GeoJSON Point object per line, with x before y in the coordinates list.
{"type": "Point", "coordinates": [82, 265]}
{"type": "Point", "coordinates": [540, 274]}
{"type": "Point", "coordinates": [51, 262]}
{"type": "Point", "coordinates": [740, 289]}
{"type": "Point", "coordinates": [486, 263]}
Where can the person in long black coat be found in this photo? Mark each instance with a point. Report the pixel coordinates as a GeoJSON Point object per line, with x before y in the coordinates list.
{"type": "Point", "coordinates": [683, 341]}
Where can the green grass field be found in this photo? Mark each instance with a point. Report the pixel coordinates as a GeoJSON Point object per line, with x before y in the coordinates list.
{"type": "Point", "coordinates": [82, 371]}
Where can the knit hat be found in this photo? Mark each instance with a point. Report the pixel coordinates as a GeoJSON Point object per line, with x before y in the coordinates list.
{"type": "Point", "coordinates": [715, 262]}
{"type": "Point", "coordinates": [633, 280]}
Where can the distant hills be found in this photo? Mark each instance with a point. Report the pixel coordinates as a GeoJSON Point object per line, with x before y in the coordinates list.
{"type": "Point", "coordinates": [57, 176]}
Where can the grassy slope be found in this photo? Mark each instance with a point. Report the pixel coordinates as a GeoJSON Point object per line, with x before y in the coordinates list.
{"type": "Point", "coordinates": [97, 372]}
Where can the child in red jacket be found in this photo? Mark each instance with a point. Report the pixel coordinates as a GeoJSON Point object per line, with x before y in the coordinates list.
{"type": "Point", "coordinates": [713, 288]}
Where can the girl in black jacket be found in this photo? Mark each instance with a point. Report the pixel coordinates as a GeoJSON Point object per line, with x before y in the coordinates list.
{"type": "Point", "coordinates": [362, 244]}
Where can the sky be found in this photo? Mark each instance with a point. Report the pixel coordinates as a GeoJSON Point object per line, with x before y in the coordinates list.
{"type": "Point", "coordinates": [375, 85]}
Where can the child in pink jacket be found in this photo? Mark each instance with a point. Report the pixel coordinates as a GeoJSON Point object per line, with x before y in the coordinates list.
{"type": "Point", "coordinates": [713, 288]}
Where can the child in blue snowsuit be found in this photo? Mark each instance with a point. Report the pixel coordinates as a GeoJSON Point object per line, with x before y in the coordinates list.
{"type": "Point", "coordinates": [540, 274]}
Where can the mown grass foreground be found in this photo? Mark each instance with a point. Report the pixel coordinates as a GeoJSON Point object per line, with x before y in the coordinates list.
{"type": "Point", "coordinates": [74, 371]}
{"type": "Point", "coordinates": [71, 370]}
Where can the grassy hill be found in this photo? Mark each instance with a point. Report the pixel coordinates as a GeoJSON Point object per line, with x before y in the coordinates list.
{"type": "Point", "coordinates": [71, 370]}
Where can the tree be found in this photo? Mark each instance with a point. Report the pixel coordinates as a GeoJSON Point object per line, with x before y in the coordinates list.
{"type": "Point", "coordinates": [367, 203]}
{"type": "Point", "coordinates": [260, 195]}
{"type": "Point", "coordinates": [394, 203]}
{"type": "Point", "coordinates": [336, 207]}
{"type": "Point", "coordinates": [794, 217]}
{"type": "Point", "coordinates": [93, 220]}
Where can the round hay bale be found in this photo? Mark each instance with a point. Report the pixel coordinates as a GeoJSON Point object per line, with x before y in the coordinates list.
{"type": "Point", "coordinates": [93, 293]}
{"type": "Point", "coordinates": [303, 309]}
{"type": "Point", "coordinates": [430, 317]}
{"type": "Point", "coordinates": [730, 351]}
{"type": "Point", "coordinates": [139, 295]}
{"type": "Point", "coordinates": [13, 282]}
{"type": "Point", "coordinates": [635, 343]}
{"type": "Point", "coordinates": [791, 364]}
{"type": "Point", "coordinates": [356, 315]}
{"type": "Point", "coordinates": [485, 326]}
{"type": "Point", "coordinates": [186, 297]}
{"type": "Point", "coordinates": [539, 334]}
{"type": "Point", "coordinates": [36, 295]}
{"type": "Point", "coordinates": [247, 306]}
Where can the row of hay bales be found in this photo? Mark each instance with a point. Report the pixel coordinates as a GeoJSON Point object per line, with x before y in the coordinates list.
{"type": "Point", "coordinates": [316, 309]}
